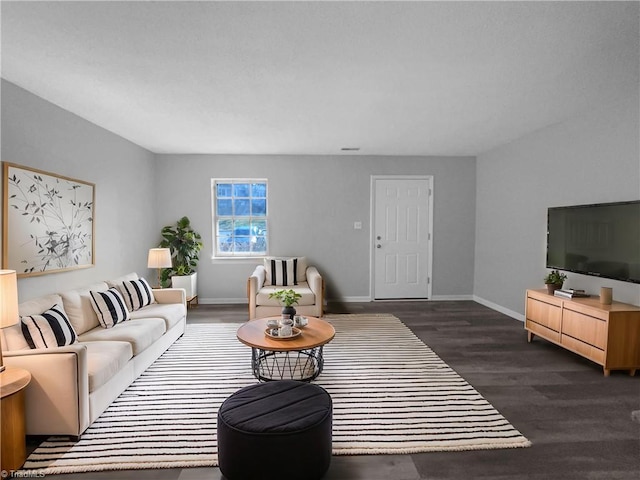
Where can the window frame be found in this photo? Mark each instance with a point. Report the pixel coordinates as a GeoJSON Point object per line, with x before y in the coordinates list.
{"type": "Point", "coordinates": [216, 217]}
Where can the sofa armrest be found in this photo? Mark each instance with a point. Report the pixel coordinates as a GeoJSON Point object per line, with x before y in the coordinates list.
{"type": "Point", "coordinates": [316, 284]}
{"type": "Point", "coordinates": [170, 295]}
{"type": "Point", "coordinates": [260, 274]}
{"type": "Point", "coordinates": [254, 284]}
{"type": "Point", "coordinates": [57, 398]}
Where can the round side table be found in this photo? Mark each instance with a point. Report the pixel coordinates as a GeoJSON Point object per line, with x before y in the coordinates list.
{"type": "Point", "coordinates": [12, 422]}
{"type": "Point", "coordinates": [299, 358]}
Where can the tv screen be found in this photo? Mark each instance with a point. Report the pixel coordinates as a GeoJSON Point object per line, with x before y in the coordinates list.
{"type": "Point", "coordinates": [601, 240]}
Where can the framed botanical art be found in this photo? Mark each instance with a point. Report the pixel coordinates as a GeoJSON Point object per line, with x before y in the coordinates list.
{"type": "Point", "coordinates": [48, 222]}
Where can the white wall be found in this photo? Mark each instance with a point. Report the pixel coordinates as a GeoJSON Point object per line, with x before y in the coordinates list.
{"type": "Point", "coordinates": [590, 159]}
{"type": "Point", "coordinates": [491, 212]}
{"type": "Point", "coordinates": [313, 203]}
{"type": "Point", "coordinates": [38, 134]}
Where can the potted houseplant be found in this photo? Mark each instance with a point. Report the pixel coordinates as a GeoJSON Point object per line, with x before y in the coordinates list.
{"type": "Point", "coordinates": [185, 245]}
{"type": "Point", "coordinates": [288, 298]}
{"type": "Point", "coordinates": [554, 280]}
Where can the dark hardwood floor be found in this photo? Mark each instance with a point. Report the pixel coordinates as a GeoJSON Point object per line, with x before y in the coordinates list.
{"type": "Point", "coordinates": [580, 422]}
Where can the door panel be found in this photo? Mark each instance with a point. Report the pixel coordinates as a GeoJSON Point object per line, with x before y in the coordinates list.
{"type": "Point", "coordinates": [401, 237]}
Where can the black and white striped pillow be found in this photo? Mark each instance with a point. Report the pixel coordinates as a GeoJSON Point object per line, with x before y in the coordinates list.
{"type": "Point", "coordinates": [136, 294]}
{"type": "Point", "coordinates": [49, 329]}
{"type": "Point", "coordinates": [109, 307]}
{"type": "Point", "coordinates": [282, 272]}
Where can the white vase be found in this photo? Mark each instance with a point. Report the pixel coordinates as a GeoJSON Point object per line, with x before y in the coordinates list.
{"type": "Point", "coordinates": [188, 282]}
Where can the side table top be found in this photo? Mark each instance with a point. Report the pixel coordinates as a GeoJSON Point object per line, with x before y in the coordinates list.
{"type": "Point", "coordinates": [13, 380]}
{"type": "Point", "coordinates": [318, 332]}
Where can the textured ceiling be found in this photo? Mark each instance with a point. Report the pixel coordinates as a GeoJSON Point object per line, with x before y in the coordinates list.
{"type": "Point", "coordinates": [393, 78]}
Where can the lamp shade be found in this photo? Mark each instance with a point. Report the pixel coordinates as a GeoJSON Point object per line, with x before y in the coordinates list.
{"type": "Point", "coordinates": [8, 298]}
{"type": "Point", "coordinates": [159, 258]}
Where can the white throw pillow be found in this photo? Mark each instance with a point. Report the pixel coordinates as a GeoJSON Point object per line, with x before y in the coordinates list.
{"type": "Point", "coordinates": [136, 294]}
{"type": "Point", "coordinates": [49, 329]}
{"type": "Point", "coordinates": [282, 272]}
{"type": "Point", "coordinates": [285, 271]}
{"type": "Point", "coordinates": [109, 307]}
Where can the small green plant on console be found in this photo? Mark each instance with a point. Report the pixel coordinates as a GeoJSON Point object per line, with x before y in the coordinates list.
{"type": "Point", "coordinates": [555, 278]}
{"type": "Point", "coordinates": [554, 281]}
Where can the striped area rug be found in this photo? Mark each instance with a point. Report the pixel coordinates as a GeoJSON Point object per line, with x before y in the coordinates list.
{"type": "Point", "coordinates": [391, 394]}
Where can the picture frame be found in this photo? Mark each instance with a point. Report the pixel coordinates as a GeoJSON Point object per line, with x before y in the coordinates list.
{"type": "Point", "coordinates": [48, 221]}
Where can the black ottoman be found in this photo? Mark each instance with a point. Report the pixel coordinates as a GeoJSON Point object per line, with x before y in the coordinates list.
{"type": "Point", "coordinates": [275, 430]}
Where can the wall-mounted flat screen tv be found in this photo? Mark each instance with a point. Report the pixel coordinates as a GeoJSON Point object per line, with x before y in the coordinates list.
{"type": "Point", "coordinates": [601, 240]}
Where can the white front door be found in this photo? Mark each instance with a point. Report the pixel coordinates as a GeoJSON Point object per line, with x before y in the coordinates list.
{"type": "Point", "coordinates": [402, 237]}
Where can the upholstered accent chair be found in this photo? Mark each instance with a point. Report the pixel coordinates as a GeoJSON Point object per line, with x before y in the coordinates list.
{"type": "Point", "coordinates": [283, 273]}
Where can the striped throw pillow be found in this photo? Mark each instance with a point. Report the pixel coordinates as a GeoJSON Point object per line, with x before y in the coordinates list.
{"type": "Point", "coordinates": [282, 272]}
{"type": "Point", "coordinates": [49, 329]}
{"type": "Point", "coordinates": [109, 307]}
{"type": "Point", "coordinates": [136, 294]}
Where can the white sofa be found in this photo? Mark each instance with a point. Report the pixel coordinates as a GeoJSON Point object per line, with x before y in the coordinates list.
{"type": "Point", "coordinates": [311, 287]}
{"type": "Point", "coordinates": [72, 385]}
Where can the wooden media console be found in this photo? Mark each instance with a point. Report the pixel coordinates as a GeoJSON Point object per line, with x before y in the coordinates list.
{"type": "Point", "coordinates": [608, 335]}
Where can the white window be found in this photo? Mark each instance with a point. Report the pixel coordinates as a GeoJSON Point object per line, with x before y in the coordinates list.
{"type": "Point", "coordinates": [240, 217]}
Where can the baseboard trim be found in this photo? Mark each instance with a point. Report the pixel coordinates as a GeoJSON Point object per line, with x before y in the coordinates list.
{"type": "Point", "coordinates": [222, 301]}
{"type": "Point", "coordinates": [350, 300]}
{"type": "Point", "coordinates": [475, 298]}
{"type": "Point", "coordinates": [499, 308]}
{"type": "Point", "coordinates": [457, 298]}
{"type": "Point", "coordinates": [236, 301]}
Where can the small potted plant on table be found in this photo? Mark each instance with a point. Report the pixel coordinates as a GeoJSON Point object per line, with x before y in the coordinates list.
{"type": "Point", "coordinates": [554, 281]}
{"type": "Point", "coordinates": [288, 298]}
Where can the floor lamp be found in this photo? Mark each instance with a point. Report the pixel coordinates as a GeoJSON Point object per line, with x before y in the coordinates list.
{"type": "Point", "coordinates": [159, 258]}
{"type": "Point", "coordinates": [8, 303]}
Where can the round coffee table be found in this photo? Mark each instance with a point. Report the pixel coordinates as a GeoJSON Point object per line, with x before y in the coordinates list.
{"type": "Point", "coordinates": [299, 358]}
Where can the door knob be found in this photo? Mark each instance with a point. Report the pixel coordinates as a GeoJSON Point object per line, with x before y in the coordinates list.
{"type": "Point", "coordinates": [378, 237]}
{"type": "Point", "coordinates": [378, 246]}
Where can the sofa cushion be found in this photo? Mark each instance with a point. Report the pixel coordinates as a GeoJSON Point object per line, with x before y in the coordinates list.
{"type": "Point", "coordinates": [308, 297]}
{"type": "Point", "coordinates": [285, 271]}
{"type": "Point", "coordinates": [140, 333]}
{"type": "Point", "coordinates": [109, 307]}
{"type": "Point", "coordinates": [77, 304]}
{"type": "Point", "coordinates": [49, 329]}
{"type": "Point", "coordinates": [38, 305]}
{"type": "Point", "coordinates": [13, 339]}
{"type": "Point", "coordinates": [104, 360]}
{"type": "Point", "coordinates": [171, 313]}
{"type": "Point", "coordinates": [136, 293]}
{"type": "Point", "coordinates": [120, 280]}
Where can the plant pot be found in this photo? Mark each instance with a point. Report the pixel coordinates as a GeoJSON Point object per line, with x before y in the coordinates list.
{"type": "Point", "coordinates": [188, 282]}
{"type": "Point", "coordinates": [552, 287]}
{"type": "Point", "coordinates": [289, 312]}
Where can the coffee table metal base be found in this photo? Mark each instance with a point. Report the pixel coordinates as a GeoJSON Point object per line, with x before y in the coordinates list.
{"type": "Point", "coordinates": [304, 365]}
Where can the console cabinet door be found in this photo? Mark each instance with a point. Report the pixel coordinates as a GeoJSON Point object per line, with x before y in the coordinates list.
{"type": "Point", "coordinates": [584, 328]}
{"type": "Point", "coordinates": [543, 319]}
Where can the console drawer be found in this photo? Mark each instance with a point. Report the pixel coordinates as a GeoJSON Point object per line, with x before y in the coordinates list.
{"type": "Point", "coordinates": [584, 349]}
{"type": "Point", "coordinates": [543, 331]}
{"type": "Point", "coordinates": [544, 314]}
{"type": "Point", "coordinates": [584, 328]}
